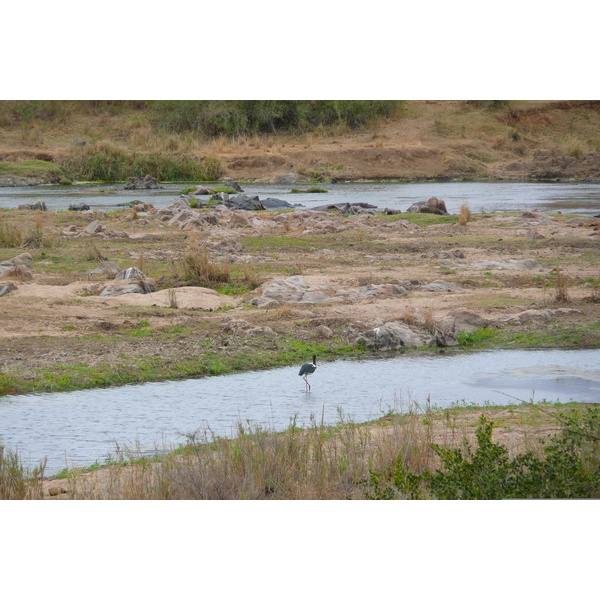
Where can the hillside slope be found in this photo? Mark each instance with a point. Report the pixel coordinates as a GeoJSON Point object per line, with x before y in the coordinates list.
{"type": "Point", "coordinates": [426, 140]}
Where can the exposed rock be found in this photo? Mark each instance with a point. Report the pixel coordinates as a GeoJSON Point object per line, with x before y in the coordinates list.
{"type": "Point", "coordinates": [347, 208]}
{"type": "Point", "coordinates": [439, 285]}
{"type": "Point", "coordinates": [6, 288]}
{"type": "Point", "coordinates": [511, 264]}
{"type": "Point", "coordinates": [461, 319]}
{"type": "Point", "coordinates": [391, 336]}
{"type": "Point", "coordinates": [296, 290]}
{"type": "Point", "coordinates": [244, 202]}
{"type": "Point", "coordinates": [235, 185]}
{"type": "Point", "coordinates": [21, 259]}
{"type": "Point", "coordinates": [443, 339]}
{"type": "Point", "coordinates": [432, 206]}
{"type": "Point", "coordinates": [140, 287]}
{"type": "Point", "coordinates": [286, 178]}
{"type": "Point", "coordinates": [536, 315]}
{"type": "Point", "coordinates": [94, 227]}
{"type": "Point", "coordinates": [38, 205]}
{"type": "Point", "coordinates": [20, 272]}
{"type": "Point", "coordinates": [147, 183]}
{"type": "Point", "coordinates": [139, 283]}
{"type": "Point", "coordinates": [239, 218]}
{"type": "Point", "coordinates": [130, 273]}
{"type": "Point", "coordinates": [81, 206]}
{"type": "Point", "coordinates": [105, 268]}
{"type": "Point", "coordinates": [275, 203]}
{"type": "Point", "coordinates": [323, 331]}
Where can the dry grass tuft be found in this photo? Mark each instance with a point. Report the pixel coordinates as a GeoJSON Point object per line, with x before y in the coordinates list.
{"type": "Point", "coordinates": [10, 236]}
{"type": "Point", "coordinates": [92, 253]}
{"type": "Point", "coordinates": [465, 214]}
{"type": "Point", "coordinates": [562, 288]}
{"type": "Point", "coordinates": [172, 297]}
{"type": "Point", "coordinates": [199, 269]}
{"type": "Point", "coordinates": [251, 277]}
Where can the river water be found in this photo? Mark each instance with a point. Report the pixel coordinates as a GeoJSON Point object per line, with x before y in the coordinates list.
{"type": "Point", "coordinates": [577, 198]}
{"type": "Point", "coordinates": [78, 428]}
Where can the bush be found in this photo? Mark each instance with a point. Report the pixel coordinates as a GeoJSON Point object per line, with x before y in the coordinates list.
{"type": "Point", "coordinates": [105, 162]}
{"type": "Point", "coordinates": [568, 468]}
{"type": "Point", "coordinates": [247, 117]}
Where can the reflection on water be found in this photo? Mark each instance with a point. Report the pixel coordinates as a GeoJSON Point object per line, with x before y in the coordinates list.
{"type": "Point", "coordinates": [580, 198]}
{"type": "Point", "coordinates": [76, 428]}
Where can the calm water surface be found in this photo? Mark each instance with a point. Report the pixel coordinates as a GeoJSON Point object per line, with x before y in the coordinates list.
{"type": "Point", "coordinates": [78, 428]}
{"type": "Point", "coordinates": [579, 198]}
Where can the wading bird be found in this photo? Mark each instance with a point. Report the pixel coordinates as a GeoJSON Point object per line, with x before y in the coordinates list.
{"type": "Point", "coordinates": [306, 369]}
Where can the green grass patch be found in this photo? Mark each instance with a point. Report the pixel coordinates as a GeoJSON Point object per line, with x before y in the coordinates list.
{"type": "Point", "coordinates": [421, 219]}
{"type": "Point", "coordinates": [39, 169]}
{"type": "Point", "coordinates": [286, 352]}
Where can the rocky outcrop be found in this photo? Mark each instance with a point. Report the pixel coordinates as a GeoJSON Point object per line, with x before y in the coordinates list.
{"type": "Point", "coordinates": [7, 287]}
{"type": "Point", "coordinates": [511, 264]}
{"type": "Point", "coordinates": [296, 290]}
{"type": "Point", "coordinates": [147, 183]}
{"type": "Point", "coordinates": [432, 206]}
{"type": "Point", "coordinates": [348, 208]}
{"type": "Point", "coordinates": [137, 283]}
{"type": "Point", "coordinates": [94, 227]}
{"type": "Point", "coordinates": [37, 205]}
{"type": "Point", "coordinates": [81, 206]}
{"type": "Point", "coordinates": [105, 268]}
{"type": "Point", "coordinates": [535, 315]}
{"type": "Point", "coordinates": [17, 268]}
{"type": "Point", "coordinates": [392, 336]}
{"type": "Point", "coordinates": [275, 203]}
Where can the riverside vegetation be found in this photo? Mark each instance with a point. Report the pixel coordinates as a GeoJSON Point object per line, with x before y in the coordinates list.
{"type": "Point", "coordinates": [540, 451]}
{"type": "Point", "coordinates": [58, 334]}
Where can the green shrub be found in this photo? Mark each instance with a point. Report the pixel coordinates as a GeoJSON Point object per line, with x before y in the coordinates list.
{"type": "Point", "coordinates": [568, 468]}
{"type": "Point", "coordinates": [110, 163]}
{"type": "Point", "coordinates": [246, 117]}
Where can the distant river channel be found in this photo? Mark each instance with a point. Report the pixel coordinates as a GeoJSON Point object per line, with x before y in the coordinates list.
{"type": "Point", "coordinates": [576, 198]}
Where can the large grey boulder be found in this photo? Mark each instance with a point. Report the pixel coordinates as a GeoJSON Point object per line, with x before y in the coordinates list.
{"type": "Point", "coordinates": [147, 183]}
{"type": "Point", "coordinates": [432, 206]}
{"type": "Point", "coordinates": [81, 206]}
{"type": "Point", "coordinates": [37, 205]}
{"type": "Point", "coordinates": [134, 282]}
{"type": "Point", "coordinates": [275, 203]}
{"type": "Point", "coordinates": [245, 202]}
{"type": "Point", "coordinates": [392, 336]}
{"type": "Point", "coordinates": [94, 227]}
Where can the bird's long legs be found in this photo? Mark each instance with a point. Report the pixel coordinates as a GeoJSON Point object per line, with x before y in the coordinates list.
{"type": "Point", "coordinates": [307, 384]}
